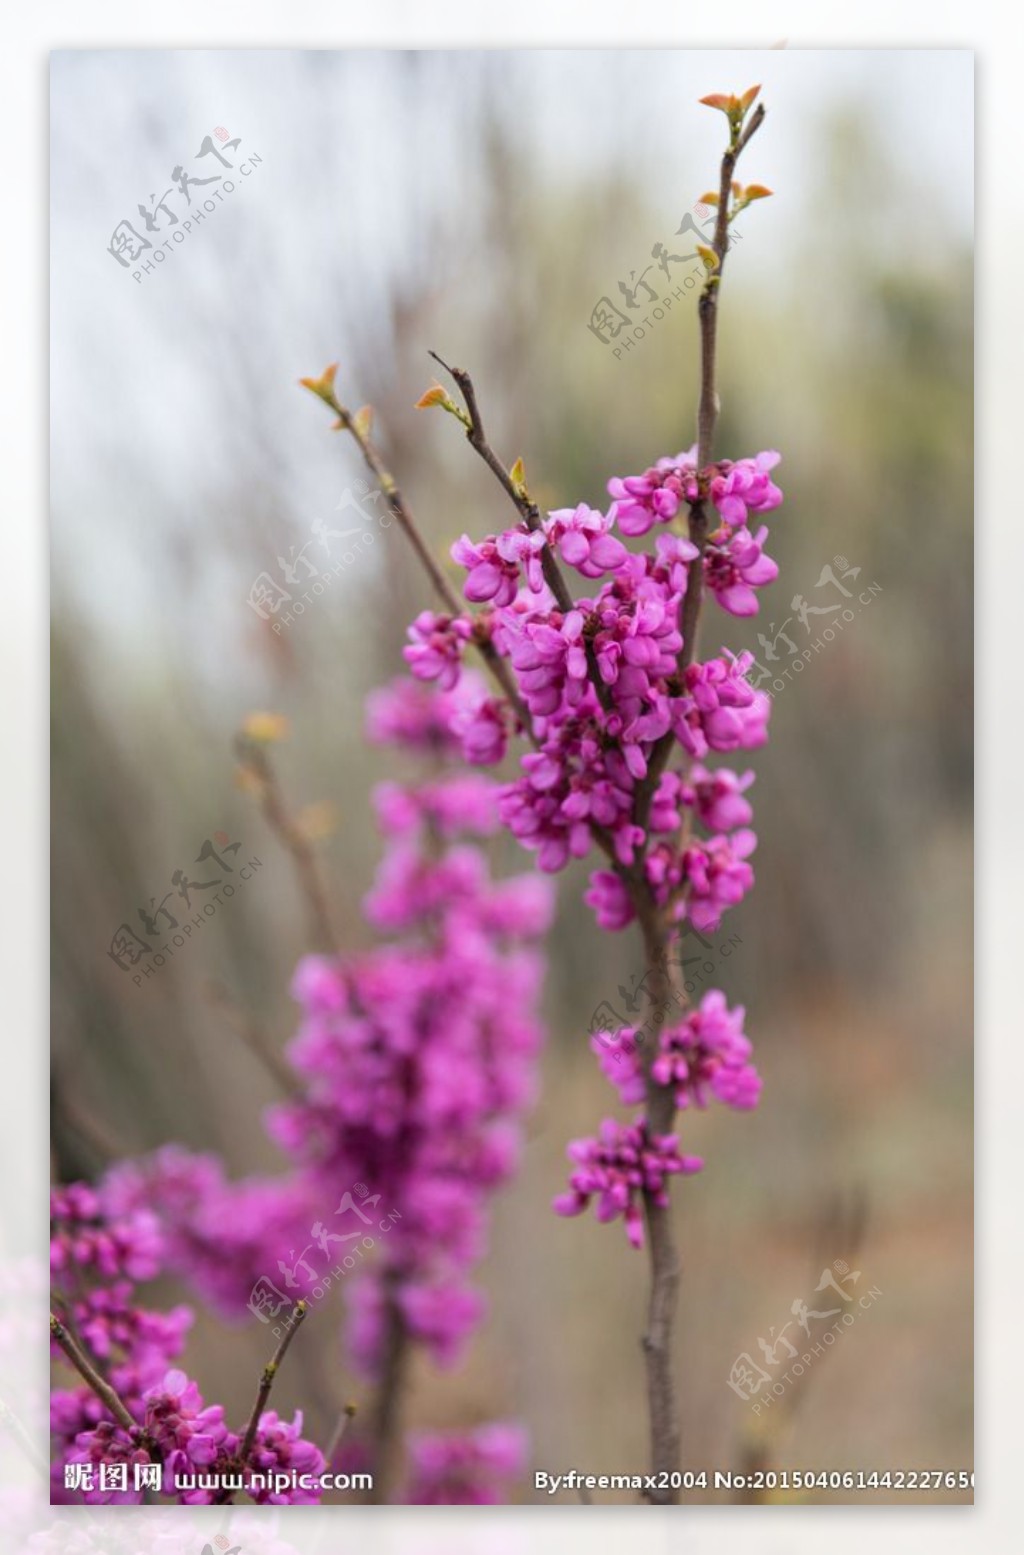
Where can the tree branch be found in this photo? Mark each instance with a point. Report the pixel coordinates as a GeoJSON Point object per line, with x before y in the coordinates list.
{"type": "Point", "coordinates": [345, 1419]}
{"type": "Point", "coordinates": [107, 1395]}
{"type": "Point", "coordinates": [253, 1037]}
{"type": "Point", "coordinates": [256, 761]}
{"type": "Point", "coordinates": [267, 1379]}
{"type": "Point", "coordinates": [385, 1417]}
{"type": "Point", "coordinates": [389, 486]}
{"type": "Point", "coordinates": [528, 512]}
{"type": "Point", "coordinates": [707, 417]}
{"type": "Point", "coordinates": [660, 1107]}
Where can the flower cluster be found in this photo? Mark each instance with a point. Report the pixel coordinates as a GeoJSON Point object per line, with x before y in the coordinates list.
{"type": "Point", "coordinates": [96, 1260]}
{"type": "Point", "coordinates": [610, 685]}
{"type": "Point", "coordinates": [417, 1058]}
{"type": "Point", "coordinates": [414, 1064]}
{"type": "Point", "coordinates": [101, 1243]}
{"type": "Point", "coordinates": [624, 720]}
{"type": "Point", "coordinates": [707, 1054]}
{"type": "Point", "coordinates": [618, 1168]}
{"type": "Point", "coordinates": [465, 1469]}
{"type": "Point", "coordinates": [200, 1457]}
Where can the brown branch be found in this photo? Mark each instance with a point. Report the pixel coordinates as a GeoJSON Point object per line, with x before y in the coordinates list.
{"type": "Point", "coordinates": [528, 512]}
{"type": "Point", "coordinates": [707, 417]}
{"type": "Point", "coordinates": [660, 1107]}
{"type": "Point", "coordinates": [453, 605]}
{"type": "Point", "coordinates": [337, 1436]}
{"type": "Point", "coordinates": [253, 1037]}
{"type": "Point", "coordinates": [656, 1343]}
{"type": "Point", "coordinates": [384, 1423]}
{"type": "Point", "coordinates": [107, 1395]}
{"type": "Point", "coordinates": [267, 1379]}
{"type": "Point", "coordinates": [256, 761]}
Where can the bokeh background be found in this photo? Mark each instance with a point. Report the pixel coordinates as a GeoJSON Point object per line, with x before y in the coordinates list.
{"type": "Point", "coordinates": [480, 205]}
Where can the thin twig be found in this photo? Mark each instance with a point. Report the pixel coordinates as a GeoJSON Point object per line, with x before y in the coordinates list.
{"type": "Point", "coordinates": [453, 605]}
{"type": "Point", "coordinates": [344, 1421]}
{"type": "Point", "coordinates": [523, 504]}
{"type": "Point", "coordinates": [656, 1343]}
{"type": "Point", "coordinates": [255, 759]}
{"type": "Point", "coordinates": [107, 1395]}
{"type": "Point", "coordinates": [253, 1037]}
{"type": "Point", "coordinates": [267, 1379]}
{"type": "Point", "coordinates": [707, 416]}
{"type": "Point", "coordinates": [528, 512]}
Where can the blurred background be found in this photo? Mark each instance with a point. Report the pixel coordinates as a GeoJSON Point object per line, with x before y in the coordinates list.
{"type": "Point", "coordinates": [483, 205]}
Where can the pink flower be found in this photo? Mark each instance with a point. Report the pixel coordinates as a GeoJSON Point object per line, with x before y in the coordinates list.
{"type": "Point", "coordinates": [619, 1167]}
{"type": "Point", "coordinates": [442, 1316]}
{"type": "Point", "coordinates": [618, 1054]}
{"type": "Point", "coordinates": [720, 710]}
{"type": "Point", "coordinates": [717, 876]}
{"type": "Point", "coordinates": [708, 1051]}
{"type": "Point", "coordinates": [280, 1448]}
{"type": "Point", "coordinates": [609, 898]}
{"type": "Point", "coordinates": [582, 537]}
{"type": "Point", "coordinates": [734, 566]}
{"type": "Point", "coordinates": [717, 797]}
{"type": "Point", "coordinates": [436, 649]}
{"type": "Point", "coordinates": [483, 732]}
{"type": "Point", "coordinates": [745, 487]}
{"type": "Point", "coordinates": [454, 1468]}
{"type": "Point", "coordinates": [654, 497]}
{"type": "Point", "coordinates": [494, 565]}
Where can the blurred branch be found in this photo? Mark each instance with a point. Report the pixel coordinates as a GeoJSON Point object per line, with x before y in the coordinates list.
{"type": "Point", "coordinates": [344, 1421]}
{"type": "Point", "coordinates": [385, 1418]}
{"type": "Point", "coordinates": [255, 761]}
{"type": "Point", "coordinates": [842, 1222]}
{"type": "Point", "coordinates": [253, 1036]}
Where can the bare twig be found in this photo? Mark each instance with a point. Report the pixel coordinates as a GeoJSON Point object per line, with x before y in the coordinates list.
{"type": "Point", "coordinates": [267, 1379]}
{"type": "Point", "coordinates": [254, 1038]}
{"type": "Point", "coordinates": [107, 1395]}
{"type": "Point", "coordinates": [357, 429]}
{"type": "Point", "coordinates": [527, 510]}
{"type": "Point", "coordinates": [345, 1419]}
{"type": "Point", "coordinates": [255, 760]}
